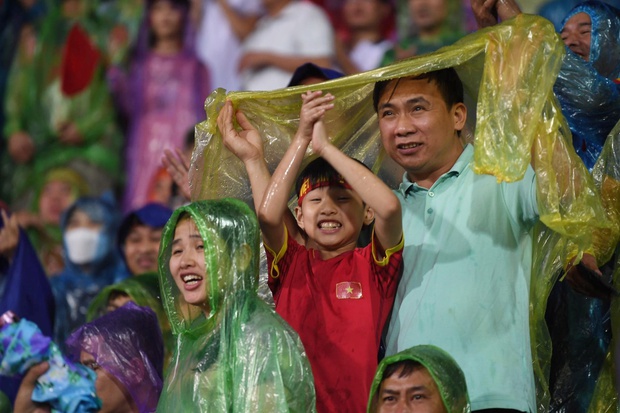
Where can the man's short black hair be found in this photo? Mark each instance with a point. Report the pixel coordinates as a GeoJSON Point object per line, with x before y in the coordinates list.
{"type": "Point", "coordinates": [406, 367]}
{"type": "Point", "coordinates": [447, 81]}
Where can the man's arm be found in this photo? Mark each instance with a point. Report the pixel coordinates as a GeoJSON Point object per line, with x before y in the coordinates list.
{"type": "Point", "coordinates": [374, 192]}
{"type": "Point", "coordinates": [255, 60]}
{"type": "Point", "coordinates": [274, 206]}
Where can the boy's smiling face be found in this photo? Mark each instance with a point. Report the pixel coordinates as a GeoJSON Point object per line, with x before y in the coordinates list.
{"type": "Point", "coordinates": [332, 218]}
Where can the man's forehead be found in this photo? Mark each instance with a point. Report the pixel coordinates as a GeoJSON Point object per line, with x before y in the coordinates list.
{"type": "Point", "coordinates": [413, 87]}
{"type": "Point", "coordinates": [577, 21]}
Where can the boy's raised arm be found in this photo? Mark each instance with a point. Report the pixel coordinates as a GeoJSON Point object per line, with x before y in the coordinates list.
{"type": "Point", "coordinates": [373, 191]}
{"type": "Point", "coordinates": [274, 206]}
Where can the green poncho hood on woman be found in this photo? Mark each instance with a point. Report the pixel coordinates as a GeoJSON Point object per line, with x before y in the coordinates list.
{"type": "Point", "coordinates": [240, 356]}
{"type": "Point", "coordinates": [442, 368]}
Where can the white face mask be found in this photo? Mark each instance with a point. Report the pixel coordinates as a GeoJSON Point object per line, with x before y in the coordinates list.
{"type": "Point", "coordinates": [82, 245]}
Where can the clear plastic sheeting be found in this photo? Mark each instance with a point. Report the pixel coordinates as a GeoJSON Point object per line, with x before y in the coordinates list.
{"type": "Point", "coordinates": [444, 370]}
{"type": "Point", "coordinates": [606, 172]}
{"type": "Point", "coordinates": [589, 97]}
{"type": "Point", "coordinates": [233, 353]}
{"type": "Point", "coordinates": [508, 71]}
{"type": "Point", "coordinates": [126, 343]}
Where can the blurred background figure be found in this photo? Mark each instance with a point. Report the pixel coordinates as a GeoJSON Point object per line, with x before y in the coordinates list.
{"type": "Point", "coordinates": [223, 26]}
{"type": "Point", "coordinates": [92, 261]}
{"type": "Point", "coordinates": [290, 34]}
{"type": "Point", "coordinates": [433, 24]}
{"type": "Point", "coordinates": [57, 190]}
{"type": "Point", "coordinates": [58, 108]}
{"type": "Point", "coordinates": [366, 35]}
{"type": "Point", "coordinates": [162, 95]}
{"type": "Point", "coordinates": [139, 236]}
{"type": "Point", "coordinates": [24, 288]}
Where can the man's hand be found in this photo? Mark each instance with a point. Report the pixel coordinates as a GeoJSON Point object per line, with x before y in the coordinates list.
{"type": "Point", "coordinates": [9, 235]}
{"type": "Point", "coordinates": [247, 144]}
{"type": "Point", "coordinates": [177, 166]}
{"type": "Point", "coordinates": [485, 12]}
{"type": "Point", "coordinates": [254, 60]}
{"type": "Point", "coordinates": [21, 147]}
{"type": "Point", "coordinates": [586, 279]}
{"type": "Point", "coordinates": [23, 401]}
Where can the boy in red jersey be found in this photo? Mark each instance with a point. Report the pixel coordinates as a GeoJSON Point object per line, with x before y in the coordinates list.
{"type": "Point", "coordinates": [336, 296]}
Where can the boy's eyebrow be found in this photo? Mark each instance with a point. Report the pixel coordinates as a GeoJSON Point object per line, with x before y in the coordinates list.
{"type": "Point", "coordinates": [176, 241]}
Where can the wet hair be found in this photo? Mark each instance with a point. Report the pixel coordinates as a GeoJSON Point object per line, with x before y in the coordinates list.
{"type": "Point", "coordinates": [447, 81]}
{"type": "Point", "coordinates": [319, 170]}
{"type": "Point", "coordinates": [406, 367]}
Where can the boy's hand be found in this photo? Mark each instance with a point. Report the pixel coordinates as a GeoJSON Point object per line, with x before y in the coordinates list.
{"type": "Point", "coordinates": [319, 138]}
{"type": "Point", "coordinates": [312, 110]}
{"type": "Point", "coordinates": [247, 145]}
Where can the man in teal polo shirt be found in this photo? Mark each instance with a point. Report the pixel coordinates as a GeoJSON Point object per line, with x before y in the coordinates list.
{"type": "Point", "coordinates": [468, 243]}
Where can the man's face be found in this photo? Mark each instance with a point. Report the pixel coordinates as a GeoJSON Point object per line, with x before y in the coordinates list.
{"type": "Point", "coordinates": [141, 249]}
{"type": "Point", "coordinates": [187, 263]}
{"type": "Point", "coordinates": [364, 14]}
{"type": "Point", "coordinates": [332, 217]}
{"type": "Point", "coordinates": [415, 393]}
{"type": "Point", "coordinates": [418, 130]}
{"type": "Point", "coordinates": [113, 394]}
{"type": "Point", "coordinates": [428, 15]}
{"type": "Point", "coordinates": [577, 35]}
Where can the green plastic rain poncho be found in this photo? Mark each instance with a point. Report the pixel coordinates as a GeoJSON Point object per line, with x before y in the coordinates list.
{"type": "Point", "coordinates": [508, 71]}
{"type": "Point", "coordinates": [241, 356]}
{"type": "Point", "coordinates": [62, 82]}
{"type": "Point", "coordinates": [443, 369]}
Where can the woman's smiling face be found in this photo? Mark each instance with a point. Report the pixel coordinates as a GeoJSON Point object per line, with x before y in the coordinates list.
{"type": "Point", "coordinates": [187, 263]}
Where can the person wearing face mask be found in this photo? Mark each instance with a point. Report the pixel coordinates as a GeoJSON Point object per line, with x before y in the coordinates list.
{"type": "Point", "coordinates": [92, 260]}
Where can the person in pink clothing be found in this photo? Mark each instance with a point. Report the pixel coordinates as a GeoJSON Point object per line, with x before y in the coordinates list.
{"type": "Point", "coordinates": [162, 94]}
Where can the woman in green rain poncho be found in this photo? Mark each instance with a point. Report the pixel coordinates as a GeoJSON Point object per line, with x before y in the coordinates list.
{"type": "Point", "coordinates": [431, 371]}
{"type": "Point", "coordinates": [233, 353]}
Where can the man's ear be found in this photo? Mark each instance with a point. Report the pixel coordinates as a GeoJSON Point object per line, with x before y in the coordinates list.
{"type": "Point", "coordinates": [299, 217]}
{"type": "Point", "coordinates": [369, 216]}
{"type": "Point", "coordinates": [460, 115]}
{"type": "Point", "coordinates": [243, 257]}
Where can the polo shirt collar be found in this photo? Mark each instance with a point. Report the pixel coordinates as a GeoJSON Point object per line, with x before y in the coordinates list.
{"type": "Point", "coordinates": [407, 187]}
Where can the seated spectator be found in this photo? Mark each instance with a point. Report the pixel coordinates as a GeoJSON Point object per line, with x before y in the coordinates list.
{"type": "Point", "coordinates": [125, 350]}
{"type": "Point", "coordinates": [89, 229]}
{"type": "Point", "coordinates": [423, 378]}
{"type": "Point", "coordinates": [278, 45]}
{"type": "Point", "coordinates": [162, 95]}
{"type": "Point", "coordinates": [143, 291]}
{"type": "Point", "coordinates": [139, 236]}
{"type": "Point", "coordinates": [60, 187]}
{"type": "Point", "coordinates": [365, 41]}
{"type": "Point", "coordinates": [435, 23]}
{"type": "Point", "coordinates": [233, 353]}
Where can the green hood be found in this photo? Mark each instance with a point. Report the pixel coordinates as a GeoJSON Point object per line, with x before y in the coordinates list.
{"type": "Point", "coordinates": [240, 356]}
{"type": "Point", "coordinates": [442, 368]}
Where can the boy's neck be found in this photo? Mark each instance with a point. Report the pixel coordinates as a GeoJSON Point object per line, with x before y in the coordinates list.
{"type": "Point", "coordinates": [326, 253]}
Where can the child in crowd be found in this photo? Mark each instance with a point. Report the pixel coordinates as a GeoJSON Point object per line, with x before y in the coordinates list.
{"type": "Point", "coordinates": [233, 353]}
{"type": "Point", "coordinates": [335, 296]}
